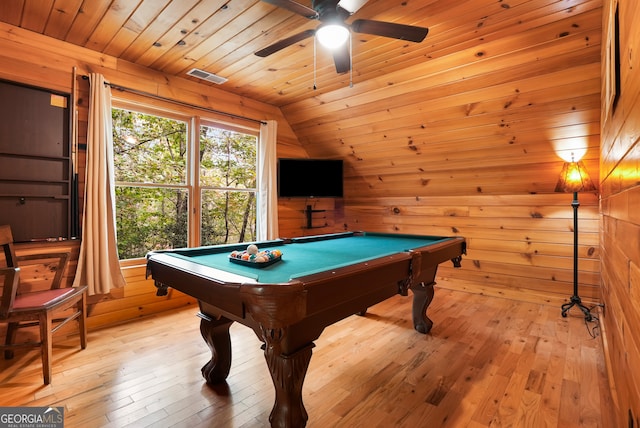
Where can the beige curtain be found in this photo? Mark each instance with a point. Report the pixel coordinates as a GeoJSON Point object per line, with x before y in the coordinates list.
{"type": "Point", "coordinates": [268, 191]}
{"type": "Point", "coordinates": [98, 264]}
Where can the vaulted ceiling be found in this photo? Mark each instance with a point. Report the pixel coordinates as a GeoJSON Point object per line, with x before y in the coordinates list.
{"type": "Point", "coordinates": [486, 103]}
{"type": "Point", "coordinates": [221, 37]}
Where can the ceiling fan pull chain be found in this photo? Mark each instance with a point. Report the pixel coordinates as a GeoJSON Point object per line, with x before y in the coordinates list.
{"type": "Point", "coordinates": [314, 63]}
{"type": "Point", "coordinates": [350, 60]}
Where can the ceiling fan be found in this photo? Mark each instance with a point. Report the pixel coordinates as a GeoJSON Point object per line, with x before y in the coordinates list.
{"type": "Point", "coordinates": [332, 14]}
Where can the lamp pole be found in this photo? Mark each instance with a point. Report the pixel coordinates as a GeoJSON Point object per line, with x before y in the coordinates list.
{"type": "Point", "coordinates": [575, 299]}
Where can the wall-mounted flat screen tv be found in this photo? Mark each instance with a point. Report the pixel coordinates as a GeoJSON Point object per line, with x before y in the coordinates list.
{"type": "Point", "coordinates": [310, 178]}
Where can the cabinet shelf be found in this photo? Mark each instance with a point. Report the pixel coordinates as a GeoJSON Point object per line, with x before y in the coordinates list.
{"type": "Point", "coordinates": [36, 167]}
{"type": "Point", "coordinates": [32, 156]}
{"type": "Point", "coordinates": [23, 196]}
{"type": "Point", "coordinates": [28, 181]}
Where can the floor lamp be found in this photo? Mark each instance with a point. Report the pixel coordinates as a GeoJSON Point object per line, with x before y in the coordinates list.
{"type": "Point", "coordinates": [573, 179]}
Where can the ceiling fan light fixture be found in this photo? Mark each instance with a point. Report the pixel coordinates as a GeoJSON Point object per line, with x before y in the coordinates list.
{"type": "Point", "coordinates": [332, 36]}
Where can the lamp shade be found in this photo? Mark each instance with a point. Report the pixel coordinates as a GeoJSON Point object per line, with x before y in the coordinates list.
{"type": "Point", "coordinates": [332, 36]}
{"type": "Point", "coordinates": [574, 178]}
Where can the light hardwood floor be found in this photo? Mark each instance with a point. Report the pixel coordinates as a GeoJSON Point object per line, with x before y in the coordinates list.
{"type": "Point", "coordinates": [488, 362]}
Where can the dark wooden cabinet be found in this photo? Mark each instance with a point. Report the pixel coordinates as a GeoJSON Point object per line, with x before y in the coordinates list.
{"type": "Point", "coordinates": [35, 162]}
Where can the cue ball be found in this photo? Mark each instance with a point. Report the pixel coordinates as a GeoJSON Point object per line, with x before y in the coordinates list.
{"type": "Point", "coordinates": [252, 249]}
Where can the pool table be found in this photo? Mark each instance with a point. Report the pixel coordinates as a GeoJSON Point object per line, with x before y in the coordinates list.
{"type": "Point", "coordinates": [318, 281]}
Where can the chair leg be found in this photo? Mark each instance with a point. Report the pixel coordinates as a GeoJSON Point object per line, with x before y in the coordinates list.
{"type": "Point", "coordinates": [82, 321]}
{"type": "Point", "coordinates": [12, 327]}
{"type": "Point", "coordinates": [45, 346]}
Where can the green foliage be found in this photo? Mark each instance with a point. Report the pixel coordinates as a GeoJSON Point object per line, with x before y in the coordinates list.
{"type": "Point", "coordinates": [150, 218]}
{"type": "Point", "coordinates": [228, 217]}
{"type": "Point", "coordinates": [150, 151]}
{"type": "Point", "coordinates": [227, 159]}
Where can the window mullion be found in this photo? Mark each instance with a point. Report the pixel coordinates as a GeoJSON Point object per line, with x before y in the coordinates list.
{"type": "Point", "coordinates": [195, 200]}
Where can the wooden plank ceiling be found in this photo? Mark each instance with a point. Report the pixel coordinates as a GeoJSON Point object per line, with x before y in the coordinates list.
{"type": "Point", "coordinates": [221, 36]}
{"type": "Point", "coordinates": [496, 91]}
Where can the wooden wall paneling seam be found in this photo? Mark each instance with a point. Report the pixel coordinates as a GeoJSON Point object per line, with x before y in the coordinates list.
{"type": "Point", "coordinates": [146, 15]}
{"type": "Point", "coordinates": [33, 42]}
{"type": "Point", "coordinates": [87, 21]}
{"type": "Point", "coordinates": [461, 60]}
{"type": "Point", "coordinates": [277, 25]}
{"type": "Point", "coordinates": [429, 119]}
{"type": "Point", "coordinates": [223, 33]}
{"type": "Point", "coordinates": [143, 16]}
{"type": "Point", "coordinates": [35, 15]}
{"type": "Point", "coordinates": [451, 102]}
{"type": "Point", "coordinates": [561, 249]}
{"type": "Point", "coordinates": [156, 29]}
{"type": "Point", "coordinates": [61, 18]}
{"type": "Point", "coordinates": [504, 223]}
{"type": "Point", "coordinates": [517, 279]}
{"type": "Point", "coordinates": [11, 12]}
{"type": "Point", "coordinates": [109, 24]}
{"type": "Point", "coordinates": [519, 160]}
{"type": "Point", "coordinates": [472, 200]}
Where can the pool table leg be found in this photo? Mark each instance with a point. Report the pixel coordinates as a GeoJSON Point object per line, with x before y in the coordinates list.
{"type": "Point", "coordinates": [422, 297]}
{"type": "Point", "coordinates": [287, 373]}
{"type": "Point", "coordinates": [215, 333]}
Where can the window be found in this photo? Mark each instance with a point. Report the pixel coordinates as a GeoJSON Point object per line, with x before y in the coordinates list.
{"type": "Point", "coordinates": [228, 186]}
{"type": "Point", "coordinates": [155, 189]}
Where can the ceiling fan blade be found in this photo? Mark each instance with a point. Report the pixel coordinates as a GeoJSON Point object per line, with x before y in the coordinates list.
{"type": "Point", "coordinates": [342, 58]}
{"type": "Point", "coordinates": [390, 29]}
{"type": "Point", "coordinates": [271, 49]}
{"type": "Point", "coordinates": [352, 6]}
{"type": "Point", "coordinates": [294, 7]}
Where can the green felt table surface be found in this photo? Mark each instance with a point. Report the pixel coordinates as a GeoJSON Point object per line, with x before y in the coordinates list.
{"type": "Point", "coordinates": [301, 258]}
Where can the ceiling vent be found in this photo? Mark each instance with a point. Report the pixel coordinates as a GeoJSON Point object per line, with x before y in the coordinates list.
{"type": "Point", "coordinates": [205, 75]}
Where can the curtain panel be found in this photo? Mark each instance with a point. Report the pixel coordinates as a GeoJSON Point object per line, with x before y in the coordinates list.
{"type": "Point", "coordinates": [268, 192]}
{"type": "Point", "coordinates": [98, 264]}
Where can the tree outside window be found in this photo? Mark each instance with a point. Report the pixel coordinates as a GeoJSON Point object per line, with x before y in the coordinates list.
{"type": "Point", "coordinates": [154, 189]}
{"type": "Point", "coordinates": [228, 182]}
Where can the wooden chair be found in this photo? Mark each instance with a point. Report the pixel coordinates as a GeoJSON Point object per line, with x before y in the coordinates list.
{"type": "Point", "coordinates": [49, 309]}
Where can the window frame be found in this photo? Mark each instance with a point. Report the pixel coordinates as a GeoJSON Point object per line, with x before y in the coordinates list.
{"type": "Point", "coordinates": [194, 118]}
{"type": "Point", "coordinates": [198, 188]}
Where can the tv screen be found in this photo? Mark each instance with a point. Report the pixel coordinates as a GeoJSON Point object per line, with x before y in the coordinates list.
{"type": "Point", "coordinates": [310, 178]}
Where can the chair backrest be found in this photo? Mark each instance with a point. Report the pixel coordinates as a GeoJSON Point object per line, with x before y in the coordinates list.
{"type": "Point", "coordinates": [9, 280]}
{"type": "Point", "coordinates": [9, 272]}
{"type": "Point", "coordinates": [6, 242]}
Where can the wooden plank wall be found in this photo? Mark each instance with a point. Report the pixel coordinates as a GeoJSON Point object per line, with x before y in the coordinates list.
{"type": "Point", "coordinates": [32, 59]}
{"type": "Point", "coordinates": [468, 142]}
{"type": "Point", "coordinates": [328, 218]}
{"type": "Point", "coordinates": [620, 231]}
{"type": "Point", "coordinates": [519, 247]}
{"type": "Point", "coordinates": [465, 143]}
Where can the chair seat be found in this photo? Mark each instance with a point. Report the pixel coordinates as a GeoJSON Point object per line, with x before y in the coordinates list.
{"type": "Point", "coordinates": [49, 309]}
{"type": "Point", "coordinates": [39, 299]}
